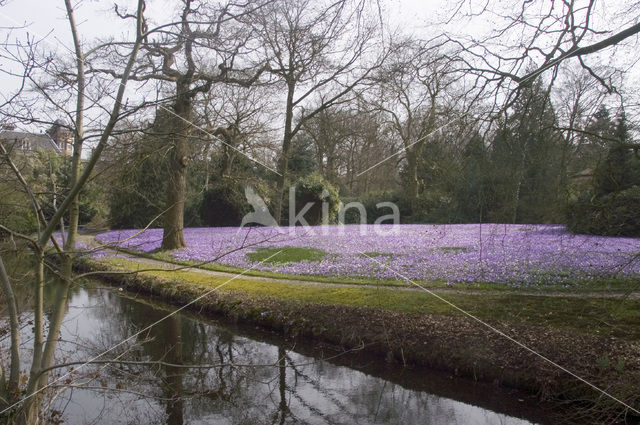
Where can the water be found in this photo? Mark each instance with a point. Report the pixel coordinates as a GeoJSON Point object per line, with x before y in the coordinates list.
{"type": "Point", "coordinates": [258, 378]}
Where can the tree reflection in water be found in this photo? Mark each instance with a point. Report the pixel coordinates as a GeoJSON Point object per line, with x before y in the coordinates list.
{"type": "Point", "coordinates": [252, 382]}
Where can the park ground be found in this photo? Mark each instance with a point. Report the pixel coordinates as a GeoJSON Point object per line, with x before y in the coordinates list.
{"type": "Point", "coordinates": [533, 339]}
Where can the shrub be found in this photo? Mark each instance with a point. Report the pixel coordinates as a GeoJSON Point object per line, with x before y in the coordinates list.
{"type": "Point", "coordinates": [434, 207]}
{"type": "Point", "coordinates": [224, 204]}
{"type": "Point", "coordinates": [16, 212]}
{"type": "Point", "coordinates": [624, 215]}
{"type": "Point", "coordinates": [137, 197]}
{"type": "Point", "coordinates": [370, 204]}
{"type": "Point", "coordinates": [611, 206]}
{"type": "Point", "coordinates": [615, 214]}
{"type": "Point", "coordinates": [583, 214]}
{"type": "Point", "coordinates": [318, 191]}
{"type": "Point", "coordinates": [138, 192]}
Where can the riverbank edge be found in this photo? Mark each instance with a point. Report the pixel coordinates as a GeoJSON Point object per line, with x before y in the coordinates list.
{"type": "Point", "coordinates": [455, 344]}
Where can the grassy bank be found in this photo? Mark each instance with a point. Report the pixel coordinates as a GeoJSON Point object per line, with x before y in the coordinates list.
{"type": "Point", "coordinates": [598, 339]}
{"type": "Point", "coordinates": [604, 316]}
{"type": "Point", "coordinates": [610, 285]}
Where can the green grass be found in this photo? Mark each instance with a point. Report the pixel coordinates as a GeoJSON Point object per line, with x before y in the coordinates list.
{"type": "Point", "coordinates": [601, 316]}
{"type": "Point", "coordinates": [287, 254]}
{"type": "Point", "coordinates": [453, 249]}
{"type": "Point", "coordinates": [578, 285]}
{"type": "Point", "coordinates": [376, 254]}
{"type": "Point", "coordinates": [610, 285]}
{"type": "Point", "coordinates": [166, 257]}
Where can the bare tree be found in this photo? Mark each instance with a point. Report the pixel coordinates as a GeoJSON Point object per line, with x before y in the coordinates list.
{"type": "Point", "coordinates": [415, 88]}
{"type": "Point", "coordinates": [44, 345]}
{"type": "Point", "coordinates": [534, 37]}
{"type": "Point", "coordinates": [78, 134]}
{"type": "Point", "coordinates": [318, 50]}
{"type": "Point", "coordinates": [577, 100]}
{"type": "Point", "coordinates": [183, 55]}
{"type": "Point", "coordinates": [349, 139]}
{"type": "Point", "coordinates": [238, 117]}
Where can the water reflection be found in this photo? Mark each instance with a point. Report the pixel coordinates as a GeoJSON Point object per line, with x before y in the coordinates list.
{"type": "Point", "coordinates": [254, 382]}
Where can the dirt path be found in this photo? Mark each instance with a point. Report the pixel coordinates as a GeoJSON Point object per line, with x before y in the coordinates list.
{"type": "Point", "coordinates": [90, 242]}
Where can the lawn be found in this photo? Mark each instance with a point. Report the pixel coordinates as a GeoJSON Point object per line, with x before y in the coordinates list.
{"type": "Point", "coordinates": [515, 255]}
{"type": "Point", "coordinates": [601, 316]}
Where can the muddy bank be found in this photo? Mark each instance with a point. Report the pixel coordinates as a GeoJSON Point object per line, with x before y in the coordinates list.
{"type": "Point", "coordinates": [459, 344]}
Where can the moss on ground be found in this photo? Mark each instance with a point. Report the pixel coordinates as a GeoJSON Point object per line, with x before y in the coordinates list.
{"type": "Point", "coordinates": [598, 316]}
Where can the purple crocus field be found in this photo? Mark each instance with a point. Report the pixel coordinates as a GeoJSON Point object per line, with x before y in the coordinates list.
{"type": "Point", "coordinates": [499, 253]}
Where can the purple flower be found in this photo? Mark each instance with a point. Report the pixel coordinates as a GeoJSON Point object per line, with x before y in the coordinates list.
{"type": "Point", "coordinates": [499, 253]}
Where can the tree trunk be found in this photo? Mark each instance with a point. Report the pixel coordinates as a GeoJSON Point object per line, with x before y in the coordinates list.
{"type": "Point", "coordinates": [173, 387]}
{"type": "Point", "coordinates": [74, 209]}
{"type": "Point", "coordinates": [286, 150]}
{"type": "Point", "coordinates": [55, 324]}
{"type": "Point", "coordinates": [413, 187]}
{"type": "Point", "coordinates": [320, 159]}
{"type": "Point", "coordinates": [230, 136]}
{"type": "Point", "coordinates": [173, 236]}
{"type": "Point", "coordinates": [283, 409]}
{"type": "Point", "coordinates": [31, 406]}
{"type": "Point", "coordinates": [563, 180]}
{"type": "Point", "coordinates": [14, 370]}
{"type": "Point", "coordinates": [517, 189]}
{"type": "Point", "coordinates": [44, 360]}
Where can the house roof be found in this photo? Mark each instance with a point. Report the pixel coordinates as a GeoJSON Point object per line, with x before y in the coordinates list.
{"type": "Point", "coordinates": [36, 140]}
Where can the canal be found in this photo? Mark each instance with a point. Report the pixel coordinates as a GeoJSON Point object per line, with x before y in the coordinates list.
{"type": "Point", "coordinates": [183, 368]}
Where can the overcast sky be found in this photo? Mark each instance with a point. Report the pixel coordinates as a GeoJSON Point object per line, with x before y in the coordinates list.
{"type": "Point", "coordinates": [96, 17]}
{"type": "Point", "coordinates": [47, 19]}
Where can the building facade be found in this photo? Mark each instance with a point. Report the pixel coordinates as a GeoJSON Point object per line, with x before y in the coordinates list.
{"type": "Point", "coordinates": [57, 138]}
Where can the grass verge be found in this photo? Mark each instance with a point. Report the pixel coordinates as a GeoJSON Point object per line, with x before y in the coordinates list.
{"type": "Point", "coordinates": [599, 316]}
{"type": "Point", "coordinates": [609, 285]}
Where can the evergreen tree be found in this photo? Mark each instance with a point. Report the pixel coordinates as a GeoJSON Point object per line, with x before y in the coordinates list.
{"type": "Point", "coordinates": [302, 157]}
{"type": "Point", "coordinates": [525, 158]}
{"type": "Point", "coordinates": [593, 143]}
{"type": "Point", "coordinates": [137, 196]}
{"type": "Point", "coordinates": [611, 206]}
{"type": "Point", "coordinates": [474, 192]}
